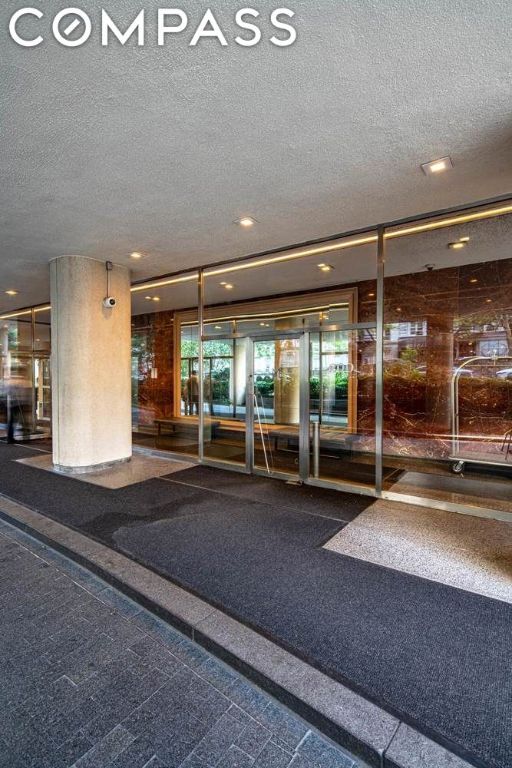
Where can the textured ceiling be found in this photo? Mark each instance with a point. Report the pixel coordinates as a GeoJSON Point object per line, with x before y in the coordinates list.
{"type": "Point", "coordinates": [106, 151]}
{"type": "Point", "coordinates": [488, 239]}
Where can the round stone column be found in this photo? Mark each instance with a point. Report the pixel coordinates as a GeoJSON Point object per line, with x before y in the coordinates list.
{"type": "Point", "coordinates": [91, 364]}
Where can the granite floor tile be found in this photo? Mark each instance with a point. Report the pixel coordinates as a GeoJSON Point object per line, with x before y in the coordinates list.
{"type": "Point", "coordinates": [107, 749]}
{"type": "Point", "coordinates": [102, 683]}
{"type": "Point", "coordinates": [283, 724]}
{"type": "Point", "coordinates": [71, 750]}
{"type": "Point", "coordinates": [272, 756]}
{"type": "Point", "coordinates": [137, 755]}
{"type": "Point", "coordinates": [218, 740]}
{"type": "Point", "coordinates": [236, 758]}
{"type": "Point", "coordinates": [253, 739]}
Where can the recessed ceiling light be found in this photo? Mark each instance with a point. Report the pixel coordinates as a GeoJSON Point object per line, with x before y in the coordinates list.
{"type": "Point", "coordinates": [11, 293]}
{"type": "Point", "coordinates": [463, 239]}
{"type": "Point", "coordinates": [474, 280]}
{"type": "Point", "coordinates": [437, 166]}
{"type": "Point", "coordinates": [325, 267]}
{"type": "Point", "coordinates": [456, 246]}
{"type": "Point", "coordinates": [135, 255]}
{"type": "Point", "coordinates": [488, 301]}
{"type": "Point", "coordinates": [246, 221]}
{"type": "Point", "coordinates": [148, 298]}
{"type": "Point", "coordinates": [228, 286]}
{"type": "Point", "coordinates": [371, 295]}
{"type": "Point", "coordinates": [156, 298]}
{"type": "Point", "coordinates": [218, 327]}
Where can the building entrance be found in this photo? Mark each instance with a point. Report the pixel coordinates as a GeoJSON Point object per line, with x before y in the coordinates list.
{"type": "Point", "coordinates": [275, 391]}
{"type": "Point", "coordinates": [308, 408]}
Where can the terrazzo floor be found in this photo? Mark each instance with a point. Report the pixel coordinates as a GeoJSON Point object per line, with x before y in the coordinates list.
{"type": "Point", "coordinates": [466, 552]}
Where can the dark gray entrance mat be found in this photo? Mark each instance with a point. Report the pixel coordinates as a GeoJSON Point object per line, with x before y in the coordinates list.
{"type": "Point", "coordinates": [316, 501]}
{"type": "Point", "coordinates": [438, 657]}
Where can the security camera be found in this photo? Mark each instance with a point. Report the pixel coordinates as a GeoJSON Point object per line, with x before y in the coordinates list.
{"type": "Point", "coordinates": [109, 302]}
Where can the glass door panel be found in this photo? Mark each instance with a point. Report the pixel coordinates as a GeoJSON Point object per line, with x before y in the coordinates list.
{"type": "Point", "coordinates": [224, 398]}
{"type": "Point", "coordinates": [276, 405]}
{"type": "Point", "coordinates": [342, 406]}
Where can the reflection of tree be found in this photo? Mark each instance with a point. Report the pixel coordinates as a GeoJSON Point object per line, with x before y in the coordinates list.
{"type": "Point", "coordinates": [498, 319]}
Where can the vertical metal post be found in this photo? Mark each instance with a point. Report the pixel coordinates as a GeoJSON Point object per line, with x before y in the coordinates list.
{"type": "Point", "coordinates": [379, 362]}
{"type": "Point", "coordinates": [249, 406]}
{"type": "Point", "coordinates": [34, 392]}
{"type": "Point", "coordinates": [316, 449]}
{"type": "Point", "coordinates": [304, 406]}
{"type": "Point", "coordinates": [321, 376]}
{"type": "Point", "coordinates": [200, 332]}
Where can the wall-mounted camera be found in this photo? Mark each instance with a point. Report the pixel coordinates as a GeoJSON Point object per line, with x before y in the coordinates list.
{"type": "Point", "coordinates": [109, 302]}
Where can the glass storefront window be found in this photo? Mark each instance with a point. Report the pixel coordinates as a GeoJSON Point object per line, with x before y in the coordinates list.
{"type": "Point", "coordinates": [165, 351]}
{"type": "Point", "coordinates": [447, 351]}
{"type": "Point", "coordinates": [25, 376]}
{"type": "Point", "coordinates": [289, 362]}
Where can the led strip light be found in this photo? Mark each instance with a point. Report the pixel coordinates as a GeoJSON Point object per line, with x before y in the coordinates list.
{"type": "Point", "coordinates": [315, 251]}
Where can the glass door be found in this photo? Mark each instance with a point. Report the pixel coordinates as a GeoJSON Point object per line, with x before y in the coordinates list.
{"type": "Point", "coordinates": [342, 406]}
{"type": "Point", "coordinates": [274, 412]}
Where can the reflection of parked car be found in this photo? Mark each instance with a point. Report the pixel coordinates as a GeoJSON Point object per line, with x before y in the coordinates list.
{"type": "Point", "coordinates": [506, 373]}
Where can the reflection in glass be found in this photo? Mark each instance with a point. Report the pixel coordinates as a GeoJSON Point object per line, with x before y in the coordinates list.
{"type": "Point", "coordinates": [342, 406]}
{"type": "Point", "coordinates": [164, 405]}
{"type": "Point", "coordinates": [25, 385]}
{"type": "Point", "coordinates": [276, 404]}
{"type": "Point", "coordinates": [447, 359]}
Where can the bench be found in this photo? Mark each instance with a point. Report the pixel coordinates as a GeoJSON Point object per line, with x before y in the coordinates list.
{"type": "Point", "coordinates": [184, 425]}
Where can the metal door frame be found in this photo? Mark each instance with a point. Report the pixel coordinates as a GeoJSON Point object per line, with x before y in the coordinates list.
{"type": "Point", "coordinates": [251, 468]}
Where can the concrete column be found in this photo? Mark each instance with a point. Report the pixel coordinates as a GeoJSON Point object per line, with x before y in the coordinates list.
{"type": "Point", "coordinates": [91, 365]}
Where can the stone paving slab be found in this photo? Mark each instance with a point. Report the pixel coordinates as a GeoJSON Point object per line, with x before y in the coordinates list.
{"type": "Point", "coordinates": [349, 719]}
{"type": "Point", "coordinates": [108, 684]}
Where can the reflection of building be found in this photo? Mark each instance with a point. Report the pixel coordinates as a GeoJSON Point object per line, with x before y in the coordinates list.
{"type": "Point", "coordinates": [485, 340]}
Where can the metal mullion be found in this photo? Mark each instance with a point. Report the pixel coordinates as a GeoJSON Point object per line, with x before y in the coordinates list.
{"type": "Point", "coordinates": [33, 361]}
{"type": "Point", "coordinates": [379, 362]}
{"type": "Point", "coordinates": [304, 407]}
{"type": "Point", "coordinates": [200, 323]}
{"type": "Point", "coordinates": [249, 406]}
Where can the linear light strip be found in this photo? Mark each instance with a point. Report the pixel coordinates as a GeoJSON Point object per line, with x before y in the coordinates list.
{"type": "Point", "coordinates": [332, 247]}
{"type": "Point", "coordinates": [338, 246]}
{"type": "Point", "coordinates": [159, 284]}
{"type": "Point", "coordinates": [283, 314]}
{"type": "Point", "coordinates": [294, 255]}
{"type": "Point", "coordinates": [24, 312]}
{"type": "Point", "coordinates": [465, 219]}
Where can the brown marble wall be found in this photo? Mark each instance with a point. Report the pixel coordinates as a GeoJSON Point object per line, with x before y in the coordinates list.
{"type": "Point", "coordinates": [152, 348]}
{"type": "Point", "coordinates": [457, 309]}
{"type": "Point", "coordinates": [462, 309]}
